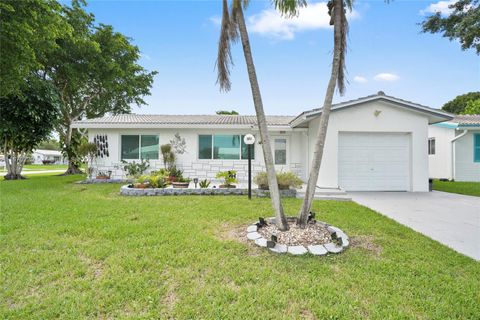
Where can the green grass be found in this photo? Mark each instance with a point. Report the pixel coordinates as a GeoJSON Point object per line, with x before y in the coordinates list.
{"type": "Point", "coordinates": [468, 188]}
{"type": "Point", "coordinates": [73, 251]}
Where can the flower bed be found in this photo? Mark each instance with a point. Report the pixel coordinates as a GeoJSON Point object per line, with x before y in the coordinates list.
{"type": "Point", "coordinates": [126, 191]}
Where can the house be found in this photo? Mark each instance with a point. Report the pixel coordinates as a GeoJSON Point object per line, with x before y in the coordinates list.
{"type": "Point", "coordinates": [454, 149]}
{"type": "Point", "coordinates": [41, 156]}
{"type": "Point", "coordinates": [377, 142]}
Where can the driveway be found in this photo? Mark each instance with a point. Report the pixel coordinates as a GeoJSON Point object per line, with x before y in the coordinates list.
{"type": "Point", "coordinates": [451, 219]}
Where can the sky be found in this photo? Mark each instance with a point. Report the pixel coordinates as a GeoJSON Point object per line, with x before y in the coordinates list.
{"type": "Point", "coordinates": [386, 51]}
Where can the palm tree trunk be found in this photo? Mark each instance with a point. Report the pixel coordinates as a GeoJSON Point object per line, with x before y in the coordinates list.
{"type": "Point", "coordinates": [280, 218]}
{"type": "Point", "coordinates": [322, 130]}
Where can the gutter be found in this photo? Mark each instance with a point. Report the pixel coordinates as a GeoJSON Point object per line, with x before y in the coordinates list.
{"type": "Point", "coordinates": [465, 131]}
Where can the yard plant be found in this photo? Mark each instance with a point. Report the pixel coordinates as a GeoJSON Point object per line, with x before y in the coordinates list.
{"type": "Point", "coordinates": [88, 252]}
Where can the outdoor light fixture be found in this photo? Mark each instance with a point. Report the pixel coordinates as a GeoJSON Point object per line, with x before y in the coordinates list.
{"type": "Point", "coordinates": [249, 140]}
{"type": "Point", "coordinates": [195, 180]}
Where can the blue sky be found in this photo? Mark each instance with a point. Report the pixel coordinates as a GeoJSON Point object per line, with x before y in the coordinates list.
{"type": "Point", "coordinates": [386, 52]}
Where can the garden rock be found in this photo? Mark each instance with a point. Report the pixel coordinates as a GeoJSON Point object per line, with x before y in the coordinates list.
{"type": "Point", "coordinates": [317, 250]}
{"type": "Point", "coordinates": [297, 250]}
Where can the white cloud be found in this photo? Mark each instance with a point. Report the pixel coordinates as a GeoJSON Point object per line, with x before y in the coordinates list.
{"type": "Point", "coordinates": [387, 77]}
{"type": "Point", "coordinates": [440, 6]}
{"type": "Point", "coordinates": [271, 23]}
{"type": "Point", "coordinates": [216, 20]}
{"type": "Point", "coordinates": [360, 79]}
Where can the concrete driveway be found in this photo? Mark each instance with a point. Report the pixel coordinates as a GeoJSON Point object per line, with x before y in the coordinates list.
{"type": "Point", "coordinates": [449, 218]}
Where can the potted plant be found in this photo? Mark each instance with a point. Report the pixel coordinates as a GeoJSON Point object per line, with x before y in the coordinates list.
{"type": "Point", "coordinates": [229, 178]}
{"type": "Point", "coordinates": [181, 183]}
{"type": "Point", "coordinates": [142, 182]}
{"type": "Point", "coordinates": [174, 174]}
{"type": "Point", "coordinates": [103, 175]}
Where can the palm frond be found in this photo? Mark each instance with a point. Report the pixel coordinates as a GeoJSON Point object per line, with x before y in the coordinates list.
{"type": "Point", "coordinates": [228, 34]}
{"type": "Point", "coordinates": [289, 8]}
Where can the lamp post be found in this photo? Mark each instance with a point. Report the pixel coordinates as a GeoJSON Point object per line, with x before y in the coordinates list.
{"type": "Point", "coordinates": [249, 140]}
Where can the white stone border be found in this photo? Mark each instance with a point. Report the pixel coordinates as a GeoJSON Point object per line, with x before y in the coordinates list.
{"type": "Point", "coordinates": [316, 250]}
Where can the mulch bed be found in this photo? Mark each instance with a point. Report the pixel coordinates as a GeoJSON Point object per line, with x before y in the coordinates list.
{"type": "Point", "coordinates": [313, 234]}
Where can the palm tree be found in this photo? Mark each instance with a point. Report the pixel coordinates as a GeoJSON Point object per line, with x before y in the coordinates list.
{"type": "Point", "coordinates": [337, 12]}
{"type": "Point", "coordinates": [232, 26]}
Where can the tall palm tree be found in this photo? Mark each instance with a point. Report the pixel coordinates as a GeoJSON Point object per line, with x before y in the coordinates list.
{"type": "Point", "coordinates": [337, 12]}
{"type": "Point", "coordinates": [233, 25]}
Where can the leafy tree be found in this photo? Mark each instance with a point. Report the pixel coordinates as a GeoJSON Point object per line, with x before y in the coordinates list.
{"type": "Point", "coordinates": [95, 71]}
{"type": "Point", "coordinates": [473, 107]}
{"type": "Point", "coordinates": [458, 105]}
{"type": "Point", "coordinates": [25, 120]}
{"type": "Point", "coordinates": [49, 144]}
{"type": "Point", "coordinates": [28, 32]}
{"type": "Point", "coordinates": [233, 112]}
{"type": "Point", "coordinates": [463, 24]}
{"type": "Point", "coordinates": [233, 25]}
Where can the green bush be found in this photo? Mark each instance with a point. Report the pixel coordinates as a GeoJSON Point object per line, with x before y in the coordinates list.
{"type": "Point", "coordinates": [229, 177]}
{"type": "Point", "coordinates": [204, 184]}
{"type": "Point", "coordinates": [285, 180]}
{"type": "Point", "coordinates": [135, 170]}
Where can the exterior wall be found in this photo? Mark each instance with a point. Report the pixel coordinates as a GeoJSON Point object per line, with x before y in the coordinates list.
{"type": "Point", "coordinates": [199, 168]}
{"type": "Point", "coordinates": [363, 118]}
{"type": "Point", "coordinates": [465, 168]}
{"type": "Point", "coordinates": [440, 163]}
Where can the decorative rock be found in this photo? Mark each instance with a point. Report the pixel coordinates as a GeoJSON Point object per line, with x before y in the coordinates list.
{"type": "Point", "coordinates": [333, 248]}
{"type": "Point", "coordinates": [261, 242]}
{"type": "Point", "coordinates": [317, 250]}
{"type": "Point", "coordinates": [253, 235]}
{"type": "Point", "coordinates": [279, 248]}
{"type": "Point", "coordinates": [252, 228]}
{"type": "Point", "coordinates": [345, 242]}
{"type": "Point", "coordinates": [297, 250]}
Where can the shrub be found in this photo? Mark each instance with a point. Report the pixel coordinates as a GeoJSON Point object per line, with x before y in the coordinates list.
{"type": "Point", "coordinates": [135, 170]}
{"type": "Point", "coordinates": [168, 156]}
{"type": "Point", "coordinates": [229, 177]}
{"type": "Point", "coordinates": [204, 184]}
{"type": "Point", "coordinates": [157, 181]}
{"type": "Point", "coordinates": [285, 180]}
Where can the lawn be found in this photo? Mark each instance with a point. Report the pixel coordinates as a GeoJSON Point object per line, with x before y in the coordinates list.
{"type": "Point", "coordinates": [75, 251]}
{"type": "Point", "coordinates": [41, 167]}
{"type": "Point", "coordinates": [468, 188]}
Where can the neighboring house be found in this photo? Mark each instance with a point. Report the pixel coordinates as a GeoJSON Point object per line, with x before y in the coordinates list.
{"type": "Point", "coordinates": [376, 142]}
{"type": "Point", "coordinates": [454, 149]}
{"type": "Point", "coordinates": [54, 156]}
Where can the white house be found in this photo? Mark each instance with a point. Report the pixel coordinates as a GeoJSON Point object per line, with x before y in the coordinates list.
{"type": "Point", "coordinates": [376, 142]}
{"type": "Point", "coordinates": [454, 149]}
{"type": "Point", "coordinates": [53, 156]}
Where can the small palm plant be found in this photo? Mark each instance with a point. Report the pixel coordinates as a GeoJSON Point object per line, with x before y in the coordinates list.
{"type": "Point", "coordinates": [229, 178]}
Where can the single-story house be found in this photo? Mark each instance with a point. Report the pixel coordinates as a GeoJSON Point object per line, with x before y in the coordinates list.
{"type": "Point", "coordinates": [374, 143]}
{"type": "Point", "coordinates": [454, 149]}
{"type": "Point", "coordinates": [53, 156]}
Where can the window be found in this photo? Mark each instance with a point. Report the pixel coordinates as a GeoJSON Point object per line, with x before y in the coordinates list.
{"type": "Point", "coordinates": [229, 147]}
{"type": "Point", "coordinates": [280, 151]}
{"type": "Point", "coordinates": [140, 147]}
{"type": "Point", "coordinates": [431, 146]}
{"type": "Point", "coordinates": [476, 147]}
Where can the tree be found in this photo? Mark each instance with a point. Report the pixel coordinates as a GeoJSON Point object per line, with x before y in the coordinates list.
{"type": "Point", "coordinates": [473, 107]}
{"type": "Point", "coordinates": [463, 24]}
{"type": "Point", "coordinates": [25, 120]}
{"type": "Point", "coordinates": [49, 144]}
{"type": "Point", "coordinates": [232, 26]}
{"type": "Point", "coordinates": [233, 112]}
{"type": "Point", "coordinates": [95, 71]}
{"type": "Point", "coordinates": [28, 31]}
{"type": "Point", "coordinates": [459, 103]}
{"type": "Point", "coordinates": [337, 12]}
{"type": "Point", "coordinates": [88, 152]}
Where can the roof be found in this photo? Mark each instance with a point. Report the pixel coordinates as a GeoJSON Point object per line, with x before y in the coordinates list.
{"type": "Point", "coordinates": [48, 152]}
{"type": "Point", "coordinates": [180, 120]}
{"type": "Point", "coordinates": [436, 115]}
{"type": "Point", "coordinates": [467, 120]}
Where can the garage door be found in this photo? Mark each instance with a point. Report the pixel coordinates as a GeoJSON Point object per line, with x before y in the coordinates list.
{"type": "Point", "coordinates": [374, 161]}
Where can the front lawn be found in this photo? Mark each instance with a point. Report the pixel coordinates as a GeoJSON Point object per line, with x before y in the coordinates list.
{"type": "Point", "coordinates": [41, 167]}
{"type": "Point", "coordinates": [74, 251]}
{"type": "Point", "coordinates": [468, 188]}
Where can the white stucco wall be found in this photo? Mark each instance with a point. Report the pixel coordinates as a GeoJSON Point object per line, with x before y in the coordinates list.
{"type": "Point", "coordinates": [440, 163]}
{"type": "Point", "coordinates": [201, 168]}
{"type": "Point", "coordinates": [465, 168]}
{"type": "Point", "coordinates": [362, 118]}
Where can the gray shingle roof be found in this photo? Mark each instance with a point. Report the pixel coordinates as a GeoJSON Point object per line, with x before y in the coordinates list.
{"type": "Point", "coordinates": [467, 120]}
{"type": "Point", "coordinates": [186, 120]}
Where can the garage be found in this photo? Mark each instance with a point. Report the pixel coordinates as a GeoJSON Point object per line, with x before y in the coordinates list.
{"type": "Point", "coordinates": [374, 161]}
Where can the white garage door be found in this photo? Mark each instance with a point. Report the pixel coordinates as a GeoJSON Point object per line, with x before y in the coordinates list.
{"type": "Point", "coordinates": [374, 161]}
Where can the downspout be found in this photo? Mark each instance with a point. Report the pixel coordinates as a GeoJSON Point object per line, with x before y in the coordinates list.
{"type": "Point", "coordinates": [453, 151]}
